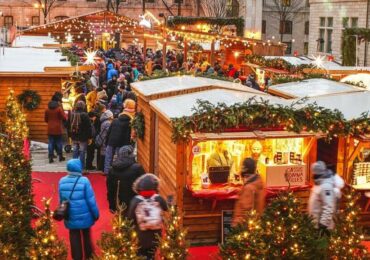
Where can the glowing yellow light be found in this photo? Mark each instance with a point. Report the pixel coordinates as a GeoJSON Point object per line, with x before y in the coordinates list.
{"type": "Point", "coordinates": [90, 55]}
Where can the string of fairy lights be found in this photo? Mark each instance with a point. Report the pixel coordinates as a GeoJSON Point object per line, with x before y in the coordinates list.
{"type": "Point", "coordinates": [89, 28]}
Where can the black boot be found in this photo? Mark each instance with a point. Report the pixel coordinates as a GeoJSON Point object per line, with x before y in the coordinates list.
{"type": "Point", "coordinates": [61, 158]}
{"type": "Point", "coordinates": [51, 159]}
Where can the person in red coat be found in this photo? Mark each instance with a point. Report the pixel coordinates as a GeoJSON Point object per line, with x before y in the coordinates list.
{"type": "Point", "coordinates": [54, 117]}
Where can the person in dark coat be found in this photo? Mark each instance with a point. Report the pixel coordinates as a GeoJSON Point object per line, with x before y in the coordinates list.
{"type": "Point", "coordinates": [83, 210]}
{"type": "Point", "coordinates": [90, 152]}
{"type": "Point", "coordinates": [54, 117]}
{"type": "Point", "coordinates": [81, 132]}
{"type": "Point", "coordinates": [252, 83]}
{"type": "Point", "coordinates": [119, 134]}
{"type": "Point", "coordinates": [125, 170]}
{"type": "Point", "coordinates": [146, 187]}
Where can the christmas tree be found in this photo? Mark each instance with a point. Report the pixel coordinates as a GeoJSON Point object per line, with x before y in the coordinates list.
{"type": "Point", "coordinates": [45, 245]}
{"type": "Point", "coordinates": [245, 241]}
{"type": "Point", "coordinates": [15, 185]}
{"type": "Point", "coordinates": [122, 242]}
{"type": "Point", "coordinates": [173, 244]}
{"type": "Point", "coordinates": [290, 233]}
{"type": "Point", "coordinates": [345, 240]}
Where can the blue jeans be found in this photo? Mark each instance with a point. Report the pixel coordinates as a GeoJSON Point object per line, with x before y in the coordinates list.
{"type": "Point", "coordinates": [55, 143]}
{"type": "Point", "coordinates": [109, 154]}
{"type": "Point", "coordinates": [79, 151]}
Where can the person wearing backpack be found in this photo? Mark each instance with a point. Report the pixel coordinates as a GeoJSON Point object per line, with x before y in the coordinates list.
{"type": "Point", "coordinates": [106, 119]}
{"type": "Point", "coordinates": [124, 172]}
{"type": "Point", "coordinates": [83, 211]}
{"type": "Point", "coordinates": [252, 195]}
{"type": "Point", "coordinates": [81, 132]}
{"type": "Point", "coordinates": [119, 133]}
{"type": "Point", "coordinates": [146, 211]}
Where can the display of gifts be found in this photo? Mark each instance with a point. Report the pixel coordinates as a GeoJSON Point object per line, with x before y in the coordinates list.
{"type": "Point", "coordinates": [361, 169]}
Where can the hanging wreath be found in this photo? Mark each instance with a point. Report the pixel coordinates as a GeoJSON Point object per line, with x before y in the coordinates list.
{"type": "Point", "coordinates": [29, 99]}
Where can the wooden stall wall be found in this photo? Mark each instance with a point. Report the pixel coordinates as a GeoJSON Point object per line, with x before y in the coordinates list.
{"type": "Point", "coordinates": [145, 147]}
{"type": "Point", "coordinates": [45, 85]}
{"type": "Point", "coordinates": [167, 159]}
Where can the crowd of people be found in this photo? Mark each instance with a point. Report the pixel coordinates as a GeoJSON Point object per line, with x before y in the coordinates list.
{"type": "Point", "coordinates": [100, 126]}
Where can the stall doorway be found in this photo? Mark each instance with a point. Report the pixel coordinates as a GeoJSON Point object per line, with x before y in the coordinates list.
{"type": "Point", "coordinates": [327, 152]}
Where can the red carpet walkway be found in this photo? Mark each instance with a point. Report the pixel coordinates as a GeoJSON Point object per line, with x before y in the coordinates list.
{"type": "Point", "coordinates": [48, 188]}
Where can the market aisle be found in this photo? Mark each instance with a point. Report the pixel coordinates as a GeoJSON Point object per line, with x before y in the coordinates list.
{"type": "Point", "coordinates": [48, 188]}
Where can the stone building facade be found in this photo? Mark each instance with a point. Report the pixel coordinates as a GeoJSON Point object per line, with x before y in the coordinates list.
{"type": "Point", "coordinates": [295, 31]}
{"type": "Point", "coordinates": [328, 19]}
{"type": "Point", "coordinates": [26, 13]}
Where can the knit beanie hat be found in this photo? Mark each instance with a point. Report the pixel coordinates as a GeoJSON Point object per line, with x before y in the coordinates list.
{"type": "Point", "coordinates": [248, 167]}
{"type": "Point", "coordinates": [319, 169]}
{"type": "Point", "coordinates": [125, 151]}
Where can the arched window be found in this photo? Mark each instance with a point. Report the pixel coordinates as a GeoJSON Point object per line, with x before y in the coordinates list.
{"type": "Point", "coordinates": [61, 17]}
{"type": "Point", "coordinates": [232, 8]}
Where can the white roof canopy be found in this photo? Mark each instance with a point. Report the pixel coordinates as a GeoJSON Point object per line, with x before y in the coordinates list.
{"type": "Point", "coordinates": [312, 88]}
{"type": "Point", "coordinates": [360, 78]}
{"type": "Point", "coordinates": [33, 41]}
{"type": "Point", "coordinates": [30, 60]}
{"type": "Point", "coordinates": [171, 84]}
{"type": "Point", "coordinates": [352, 105]}
{"type": "Point", "coordinates": [181, 105]}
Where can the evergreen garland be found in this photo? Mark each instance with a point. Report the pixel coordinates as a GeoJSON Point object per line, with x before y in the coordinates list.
{"type": "Point", "coordinates": [258, 113]}
{"type": "Point", "coordinates": [349, 44]}
{"type": "Point", "coordinates": [138, 124]}
{"type": "Point", "coordinates": [276, 63]}
{"type": "Point", "coordinates": [237, 22]}
{"type": "Point", "coordinates": [15, 185]}
{"type": "Point", "coordinates": [72, 58]}
{"type": "Point", "coordinates": [159, 74]}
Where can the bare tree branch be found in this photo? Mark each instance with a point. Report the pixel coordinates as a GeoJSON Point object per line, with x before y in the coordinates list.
{"type": "Point", "coordinates": [214, 8]}
{"type": "Point", "coordinates": [285, 10]}
{"type": "Point", "coordinates": [46, 6]}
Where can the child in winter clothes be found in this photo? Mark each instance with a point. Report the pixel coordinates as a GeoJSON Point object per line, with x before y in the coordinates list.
{"type": "Point", "coordinates": [146, 211]}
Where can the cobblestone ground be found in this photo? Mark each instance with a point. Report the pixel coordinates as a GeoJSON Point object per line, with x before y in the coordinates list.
{"type": "Point", "coordinates": [40, 162]}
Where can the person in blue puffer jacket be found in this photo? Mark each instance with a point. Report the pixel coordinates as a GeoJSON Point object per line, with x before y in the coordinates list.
{"type": "Point", "coordinates": [83, 210]}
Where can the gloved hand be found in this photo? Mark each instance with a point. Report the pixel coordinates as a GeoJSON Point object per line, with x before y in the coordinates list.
{"type": "Point", "coordinates": [323, 230]}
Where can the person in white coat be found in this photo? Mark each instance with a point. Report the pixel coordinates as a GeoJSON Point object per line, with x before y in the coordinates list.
{"type": "Point", "coordinates": [323, 198]}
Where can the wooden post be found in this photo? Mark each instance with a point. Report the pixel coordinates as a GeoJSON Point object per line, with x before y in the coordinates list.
{"type": "Point", "coordinates": [185, 50]}
{"type": "Point", "coordinates": [164, 49]}
{"type": "Point", "coordinates": [212, 58]}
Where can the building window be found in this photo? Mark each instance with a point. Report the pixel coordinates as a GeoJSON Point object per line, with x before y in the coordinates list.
{"type": "Point", "coordinates": [149, 1]}
{"type": "Point", "coordinates": [329, 36]}
{"type": "Point", "coordinates": [354, 22]}
{"type": "Point", "coordinates": [345, 22]}
{"type": "Point", "coordinates": [321, 40]}
{"type": "Point", "coordinates": [61, 17]}
{"type": "Point", "coordinates": [232, 8]}
{"type": "Point", "coordinates": [177, 1]}
{"type": "Point", "coordinates": [263, 26]}
{"type": "Point", "coordinates": [330, 22]}
{"type": "Point", "coordinates": [322, 21]}
{"type": "Point", "coordinates": [286, 27]}
{"type": "Point", "coordinates": [35, 20]}
{"type": "Point", "coordinates": [305, 48]}
{"type": "Point", "coordinates": [288, 47]}
{"type": "Point", "coordinates": [91, 0]}
{"type": "Point", "coordinates": [286, 2]}
{"type": "Point", "coordinates": [307, 28]}
{"type": "Point", "coordinates": [8, 21]}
